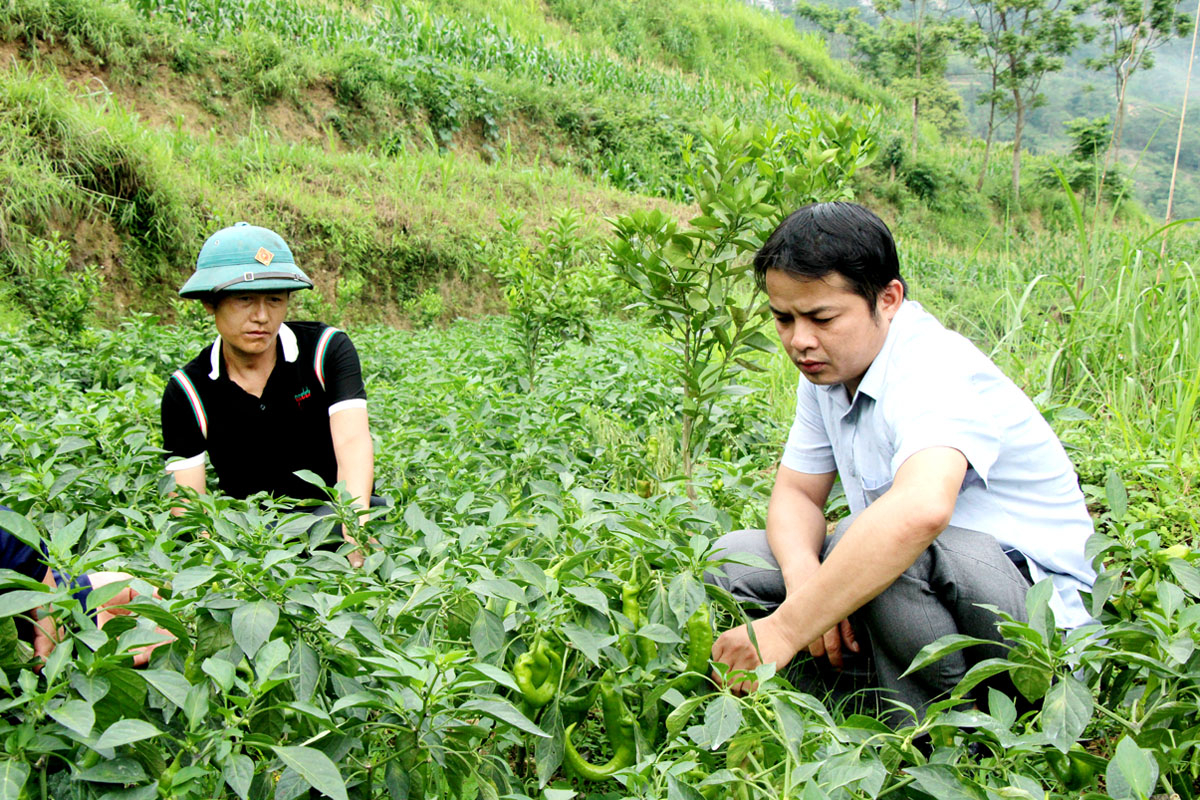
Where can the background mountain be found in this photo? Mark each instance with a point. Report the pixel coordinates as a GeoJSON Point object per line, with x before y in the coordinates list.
{"type": "Point", "coordinates": [1153, 102]}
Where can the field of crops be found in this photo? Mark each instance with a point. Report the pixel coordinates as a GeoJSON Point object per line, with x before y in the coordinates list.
{"type": "Point", "coordinates": [533, 623]}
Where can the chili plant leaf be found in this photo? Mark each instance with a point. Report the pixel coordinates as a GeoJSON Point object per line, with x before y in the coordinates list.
{"type": "Point", "coordinates": [252, 625]}
{"type": "Point", "coordinates": [722, 719]}
{"type": "Point", "coordinates": [315, 767]}
{"type": "Point", "coordinates": [126, 731]}
{"type": "Point", "coordinates": [13, 775]}
{"type": "Point", "coordinates": [548, 752]}
{"type": "Point", "coordinates": [504, 712]}
{"type": "Point", "coordinates": [1066, 712]}
{"type": "Point", "coordinates": [937, 650]}
{"type": "Point", "coordinates": [76, 715]}
{"type": "Point", "coordinates": [239, 773]}
{"type": "Point", "coordinates": [118, 770]}
{"type": "Point", "coordinates": [942, 782]}
{"type": "Point", "coordinates": [1131, 773]}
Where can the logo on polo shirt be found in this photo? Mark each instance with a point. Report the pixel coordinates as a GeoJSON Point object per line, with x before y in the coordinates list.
{"type": "Point", "coordinates": [304, 395]}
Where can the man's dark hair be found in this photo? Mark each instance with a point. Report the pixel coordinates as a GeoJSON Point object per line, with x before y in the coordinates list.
{"type": "Point", "coordinates": [833, 237]}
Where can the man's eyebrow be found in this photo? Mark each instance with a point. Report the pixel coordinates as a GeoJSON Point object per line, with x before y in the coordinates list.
{"type": "Point", "coordinates": [812, 312]}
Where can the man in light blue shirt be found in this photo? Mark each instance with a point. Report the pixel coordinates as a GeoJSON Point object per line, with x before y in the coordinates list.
{"type": "Point", "coordinates": [960, 493]}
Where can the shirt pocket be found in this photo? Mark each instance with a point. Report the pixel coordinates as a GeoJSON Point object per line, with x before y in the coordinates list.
{"type": "Point", "coordinates": [874, 488]}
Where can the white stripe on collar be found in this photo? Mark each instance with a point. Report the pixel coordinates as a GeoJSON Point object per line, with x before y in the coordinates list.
{"type": "Point", "coordinates": [216, 360]}
{"type": "Point", "coordinates": [291, 350]}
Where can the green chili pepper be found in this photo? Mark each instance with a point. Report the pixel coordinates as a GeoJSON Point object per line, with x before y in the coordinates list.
{"type": "Point", "coordinates": [619, 725]}
{"type": "Point", "coordinates": [575, 703]}
{"type": "Point", "coordinates": [537, 671]}
{"type": "Point", "coordinates": [700, 644]}
{"type": "Point", "coordinates": [1074, 769]}
{"type": "Point", "coordinates": [631, 607]}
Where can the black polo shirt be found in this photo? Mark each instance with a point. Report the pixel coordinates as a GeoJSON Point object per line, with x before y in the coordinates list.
{"type": "Point", "coordinates": [253, 443]}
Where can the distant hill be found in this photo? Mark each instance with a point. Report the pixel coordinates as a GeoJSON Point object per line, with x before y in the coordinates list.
{"type": "Point", "coordinates": [1152, 122]}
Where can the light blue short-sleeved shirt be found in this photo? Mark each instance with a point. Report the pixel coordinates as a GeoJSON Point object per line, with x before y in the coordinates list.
{"type": "Point", "coordinates": [930, 387]}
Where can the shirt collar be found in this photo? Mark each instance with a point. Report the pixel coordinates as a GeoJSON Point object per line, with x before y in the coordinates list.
{"type": "Point", "coordinates": [287, 340]}
{"type": "Point", "coordinates": [291, 350]}
{"type": "Point", "coordinates": [876, 375]}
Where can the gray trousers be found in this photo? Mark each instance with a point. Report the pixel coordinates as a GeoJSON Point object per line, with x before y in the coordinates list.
{"type": "Point", "coordinates": [938, 595]}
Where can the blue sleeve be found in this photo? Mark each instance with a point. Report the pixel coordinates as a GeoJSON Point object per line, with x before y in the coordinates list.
{"type": "Point", "coordinates": [20, 557]}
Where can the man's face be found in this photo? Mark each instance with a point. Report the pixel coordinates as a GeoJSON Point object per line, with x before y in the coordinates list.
{"type": "Point", "coordinates": [249, 321]}
{"type": "Point", "coordinates": [827, 330]}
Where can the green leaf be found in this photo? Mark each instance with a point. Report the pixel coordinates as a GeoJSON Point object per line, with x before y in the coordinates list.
{"type": "Point", "coordinates": [239, 773]}
{"type": "Point", "coordinates": [548, 752]}
{"type": "Point", "coordinates": [681, 715]}
{"type": "Point", "coordinates": [269, 657]}
{"type": "Point", "coordinates": [1131, 773]}
{"type": "Point", "coordinates": [190, 578]}
{"type": "Point", "coordinates": [1187, 576]}
{"type": "Point", "coordinates": [657, 632]}
{"type": "Point", "coordinates": [487, 634]}
{"type": "Point", "coordinates": [504, 589]}
{"type": "Point", "coordinates": [588, 642]}
{"type": "Point", "coordinates": [722, 719]}
{"type": "Point", "coordinates": [118, 770]}
{"type": "Point", "coordinates": [942, 782]}
{"type": "Point", "coordinates": [77, 715]}
{"type": "Point", "coordinates": [170, 684]}
{"type": "Point", "coordinates": [25, 600]}
{"type": "Point", "coordinates": [1037, 604]}
{"type": "Point", "coordinates": [316, 768]}
{"type": "Point", "coordinates": [937, 650]}
{"type": "Point", "coordinates": [126, 731]}
{"type": "Point", "coordinates": [1114, 492]}
{"type": "Point", "coordinates": [13, 775]}
{"type": "Point", "coordinates": [504, 712]}
{"type": "Point", "coordinates": [22, 528]}
{"type": "Point", "coordinates": [1066, 712]}
{"type": "Point", "coordinates": [220, 671]}
{"type": "Point", "coordinates": [252, 625]}
{"type": "Point", "coordinates": [493, 673]}
{"type": "Point", "coordinates": [589, 596]}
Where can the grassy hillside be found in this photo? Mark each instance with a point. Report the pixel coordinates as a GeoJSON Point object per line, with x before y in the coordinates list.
{"type": "Point", "coordinates": [387, 140]}
{"type": "Point", "coordinates": [382, 140]}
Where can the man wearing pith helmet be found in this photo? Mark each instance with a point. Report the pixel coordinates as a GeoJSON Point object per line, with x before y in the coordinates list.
{"type": "Point", "coordinates": [267, 398]}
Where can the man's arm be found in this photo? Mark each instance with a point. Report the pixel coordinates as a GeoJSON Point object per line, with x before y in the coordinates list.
{"type": "Point", "coordinates": [355, 453]}
{"type": "Point", "coordinates": [193, 478]}
{"type": "Point", "coordinates": [884, 540]}
{"type": "Point", "coordinates": [796, 523]}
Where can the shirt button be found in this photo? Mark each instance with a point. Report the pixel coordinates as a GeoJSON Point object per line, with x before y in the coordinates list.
{"type": "Point", "coordinates": [262, 407]}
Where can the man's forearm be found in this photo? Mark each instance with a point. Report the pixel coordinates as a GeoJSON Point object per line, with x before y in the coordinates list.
{"type": "Point", "coordinates": [795, 533]}
{"type": "Point", "coordinates": [356, 466]}
{"type": "Point", "coordinates": [881, 543]}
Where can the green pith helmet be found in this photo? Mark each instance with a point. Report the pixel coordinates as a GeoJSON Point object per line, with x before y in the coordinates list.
{"type": "Point", "coordinates": [243, 258]}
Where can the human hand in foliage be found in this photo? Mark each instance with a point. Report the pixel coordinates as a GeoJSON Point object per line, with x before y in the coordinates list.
{"type": "Point", "coordinates": [46, 635]}
{"type": "Point", "coordinates": [734, 649]}
{"type": "Point", "coordinates": [835, 643]}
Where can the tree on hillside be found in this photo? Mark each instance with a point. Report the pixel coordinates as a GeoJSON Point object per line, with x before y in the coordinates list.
{"type": "Point", "coordinates": [1130, 32]}
{"type": "Point", "coordinates": [907, 51]}
{"type": "Point", "coordinates": [1031, 38]}
{"type": "Point", "coordinates": [981, 45]}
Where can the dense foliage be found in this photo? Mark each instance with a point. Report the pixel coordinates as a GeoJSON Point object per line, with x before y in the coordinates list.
{"type": "Point", "coordinates": [523, 586]}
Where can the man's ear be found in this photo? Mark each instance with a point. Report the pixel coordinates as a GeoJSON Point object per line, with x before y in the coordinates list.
{"type": "Point", "coordinates": [888, 301]}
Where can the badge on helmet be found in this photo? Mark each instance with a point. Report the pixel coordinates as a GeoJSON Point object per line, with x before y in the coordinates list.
{"type": "Point", "coordinates": [242, 258]}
